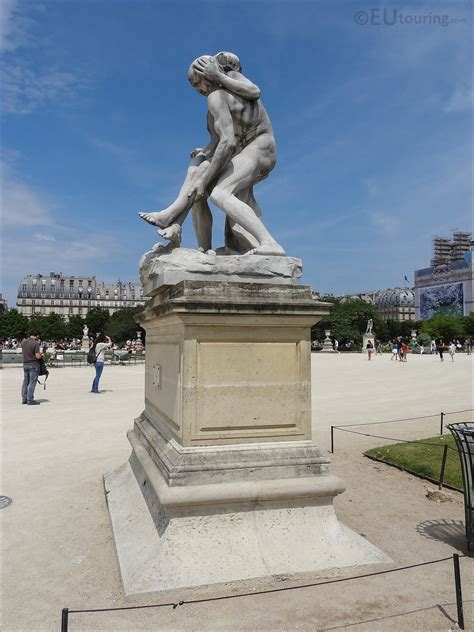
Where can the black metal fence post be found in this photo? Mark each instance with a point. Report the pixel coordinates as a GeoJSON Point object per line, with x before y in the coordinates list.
{"type": "Point", "coordinates": [64, 619]}
{"type": "Point", "coordinates": [332, 439]}
{"type": "Point", "coordinates": [457, 581]}
{"type": "Point", "coordinates": [443, 467]}
{"type": "Point", "coordinates": [441, 428]}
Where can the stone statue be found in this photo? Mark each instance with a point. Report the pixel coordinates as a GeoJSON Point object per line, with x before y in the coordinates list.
{"type": "Point", "coordinates": [85, 331]}
{"type": "Point", "coordinates": [370, 324]}
{"type": "Point", "coordinates": [241, 152]}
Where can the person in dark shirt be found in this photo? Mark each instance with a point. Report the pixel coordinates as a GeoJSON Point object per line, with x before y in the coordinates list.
{"type": "Point", "coordinates": [31, 356]}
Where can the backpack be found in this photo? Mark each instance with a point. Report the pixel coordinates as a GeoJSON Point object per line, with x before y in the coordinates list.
{"type": "Point", "coordinates": [43, 370]}
{"type": "Point", "coordinates": [92, 356]}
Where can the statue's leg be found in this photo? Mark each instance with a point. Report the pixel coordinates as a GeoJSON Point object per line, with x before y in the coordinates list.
{"type": "Point", "coordinates": [237, 239]}
{"type": "Point", "coordinates": [178, 210]}
{"type": "Point", "coordinates": [243, 171]}
{"type": "Point", "coordinates": [202, 223]}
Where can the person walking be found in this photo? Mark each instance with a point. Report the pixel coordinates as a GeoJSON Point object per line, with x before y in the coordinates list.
{"type": "Point", "coordinates": [404, 352]}
{"type": "Point", "coordinates": [452, 350]}
{"type": "Point", "coordinates": [440, 349]}
{"type": "Point", "coordinates": [30, 348]}
{"type": "Point", "coordinates": [394, 350]}
{"type": "Point", "coordinates": [370, 349]}
{"type": "Point", "coordinates": [468, 344]}
{"type": "Point", "coordinates": [101, 343]}
{"type": "Point", "coordinates": [433, 347]}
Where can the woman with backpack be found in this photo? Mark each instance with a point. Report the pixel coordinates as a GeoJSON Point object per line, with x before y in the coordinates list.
{"type": "Point", "coordinates": [101, 343]}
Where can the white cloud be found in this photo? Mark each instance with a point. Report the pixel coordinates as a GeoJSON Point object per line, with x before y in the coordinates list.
{"type": "Point", "coordinates": [29, 82]}
{"type": "Point", "coordinates": [21, 204]}
{"type": "Point", "coordinates": [13, 26]}
{"type": "Point", "coordinates": [387, 223]}
{"type": "Point", "coordinates": [461, 100]}
{"type": "Point", "coordinates": [26, 89]}
{"type": "Point", "coordinates": [41, 237]}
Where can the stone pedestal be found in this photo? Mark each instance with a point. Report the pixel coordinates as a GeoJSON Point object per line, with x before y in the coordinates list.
{"type": "Point", "coordinates": [224, 483]}
{"type": "Point", "coordinates": [365, 339]}
{"type": "Point", "coordinates": [85, 343]}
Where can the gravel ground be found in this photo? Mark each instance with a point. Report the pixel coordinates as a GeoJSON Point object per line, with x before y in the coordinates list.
{"type": "Point", "coordinates": [57, 542]}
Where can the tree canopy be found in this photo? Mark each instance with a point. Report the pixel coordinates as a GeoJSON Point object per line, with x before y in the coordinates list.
{"type": "Point", "coordinates": [348, 321]}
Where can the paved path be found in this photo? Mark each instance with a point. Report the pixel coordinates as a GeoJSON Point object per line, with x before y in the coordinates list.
{"type": "Point", "coordinates": [58, 547]}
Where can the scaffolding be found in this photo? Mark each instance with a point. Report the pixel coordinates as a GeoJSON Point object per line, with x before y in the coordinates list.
{"type": "Point", "coordinates": [447, 251]}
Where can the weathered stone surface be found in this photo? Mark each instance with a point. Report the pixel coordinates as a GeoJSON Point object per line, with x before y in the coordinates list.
{"type": "Point", "coordinates": [226, 463]}
{"type": "Point", "coordinates": [186, 264]}
{"type": "Point", "coordinates": [210, 534]}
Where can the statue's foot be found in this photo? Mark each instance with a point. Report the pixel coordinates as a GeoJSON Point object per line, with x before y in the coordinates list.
{"type": "Point", "coordinates": [153, 218]}
{"type": "Point", "coordinates": [164, 249]}
{"type": "Point", "coordinates": [207, 252]}
{"type": "Point", "coordinates": [271, 248]}
{"type": "Point", "coordinates": [172, 233]}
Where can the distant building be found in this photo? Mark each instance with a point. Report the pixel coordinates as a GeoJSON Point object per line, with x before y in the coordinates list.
{"type": "Point", "coordinates": [3, 305]}
{"type": "Point", "coordinates": [393, 304]}
{"type": "Point", "coordinates": [74, 295]}
{"type": "Point", "coordinates": [446, 287]}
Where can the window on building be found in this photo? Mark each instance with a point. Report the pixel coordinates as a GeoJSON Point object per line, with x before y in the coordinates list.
{"type": "Point", "coordinates": [24, 293]}
{"type": "Point", "coordinates": [61, 302]}
{"type": "Point", "coordinates": [43, 310]}
{"type": "Point", "coordinates": [88, 302]}
{"type": "Point", "coordinates": [61, 294]}
{"type": "Point", "coordinates": [33, 293]}
{"type": "Point", "coordinates": [53, 294]}
{"type": "Point", "coordinates": [71, 294]}
{"type": "Point", "coordinates": [33, 302]}
{"type": "Point", "coordinates": [43, 294]}
{"type": "Point", "coordinates": [42, 302]}
{"type": "Point", "coordinates": [33, 310]}
{"type": "Point", "coordinates": [23, 302]}
{"type": "Point", "coordinates": [80, 310]}
{"type": "Point", "coordinates": [71, 310]}
{"type": "Point", "coordinates": [24, 287]}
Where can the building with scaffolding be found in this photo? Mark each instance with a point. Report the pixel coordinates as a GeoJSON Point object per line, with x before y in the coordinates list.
{"type": "Point", "coordinates": [446, 287]}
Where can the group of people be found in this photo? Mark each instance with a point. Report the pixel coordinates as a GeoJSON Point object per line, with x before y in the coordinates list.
{"type": "Point", "coordinates": [32, 351]}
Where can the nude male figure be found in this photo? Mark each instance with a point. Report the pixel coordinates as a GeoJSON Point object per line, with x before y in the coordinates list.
{"type": "Point", "coordinates": [244, 155]}
{"type": "Point", "coordinates": [241, 153]}
{"type": "Point", "coordinates": [224, 68]}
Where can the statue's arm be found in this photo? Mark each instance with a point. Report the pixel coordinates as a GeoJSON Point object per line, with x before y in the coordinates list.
{"type": "Point", "coordinates": [233, 81]}
{"type": "Point", "coordinates": [238, 84]}
{"type": "Point", "coordinates": [224, 130]}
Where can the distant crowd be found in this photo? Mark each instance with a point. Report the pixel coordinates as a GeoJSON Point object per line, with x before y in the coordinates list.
{"type": "Point", "coordinates": [71, 344]}
{"type": "Point", "coordinates": [400, 348]}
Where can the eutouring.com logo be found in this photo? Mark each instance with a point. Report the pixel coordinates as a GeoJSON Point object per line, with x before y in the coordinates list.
{"type": "Point", "coordinates": [394, 17]}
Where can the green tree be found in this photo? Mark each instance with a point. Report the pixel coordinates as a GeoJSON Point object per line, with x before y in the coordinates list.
{"type": "Point", "coordinates": [13, 325]}
{"type": "Point", "coordinates": [54, 327]}
{"type": "Point", "coordinates": [468, 325]}
{"type": "Point", "coordinates": [37, 323]}
{"type": "Point", "coordinates": [348, 321]}
{"type": "Point", "coordinates": [75, 326]}
{"type": "Point", "coordinates": [446, 327]}
{"type": "Point", "coordinates": [97, 320]}
{"type": "Point", "coordinates": [122, 326]}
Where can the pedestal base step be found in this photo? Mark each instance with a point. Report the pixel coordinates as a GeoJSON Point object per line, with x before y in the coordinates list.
{"type": "Point", "coordinates": [241, 542]}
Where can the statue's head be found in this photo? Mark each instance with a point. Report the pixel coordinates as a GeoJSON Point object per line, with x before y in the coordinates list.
{"type": "Point", "coordinates": [228, 61]}
{"type": "Point", "coordinates": [202, 85]}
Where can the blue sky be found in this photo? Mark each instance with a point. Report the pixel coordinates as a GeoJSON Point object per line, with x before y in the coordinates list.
{"type": "Point", "coordinates": [372, 122]}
